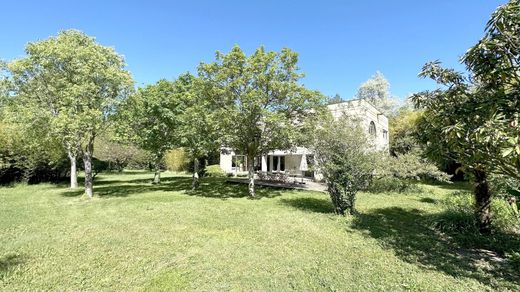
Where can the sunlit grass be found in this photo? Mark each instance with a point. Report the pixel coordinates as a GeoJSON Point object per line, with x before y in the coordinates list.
{"type": "Point", "coordinates": [139, 236]}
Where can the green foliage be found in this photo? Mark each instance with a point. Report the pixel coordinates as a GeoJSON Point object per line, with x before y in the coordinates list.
{"type": "Point", "coordinates": [260, 104]}
{"type": "Point", "coordinates": [477, 118]}
{"type": "Point", "coordinates": [198, 130]}
{"type": "Point", "coordinates": [68, 85]}
{"type": "Point", "coordinates": [409, 166]}
{"type": "Point", "coordinates": [459, 215]}
{"type": "Point", "coordinates": [504, 186]}
{"type": "Point", "coordinates": [176, 160]}
{"type": "Point", "coordinates": [402, 127]}
{"type": "Point", "coordinates": [474, 119]}
{"type": "Point", "coordinates": [27, 155]}
{"type": "Point", "coordinates": [401, 173]}
{"type": "Point", "coordinates": [392, 185]}
{"type": "Point", "coordinates": [215, 171]}
{"type": "Point", "coordinates": [344, 158]}
{"type": "Point", "coordinates": [118, 155]}
{"type": "Point", "coordinates": [142, 160]}
{"type": "Point", "coordinates": [149, 118]}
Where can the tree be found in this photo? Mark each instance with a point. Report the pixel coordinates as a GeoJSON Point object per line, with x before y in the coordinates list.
{"type": "Point", "coordinates": [149, 118]}
{"type": "Point", "coordinates": [376, 91]}
{"type": "Point", "coordinates": [260, 103]}
{"type": "Point", "coordinates": [69, 85]}
{"type": "Point", "coordinates": [344, 158]}
{"type": "Point", "coordinates": [198, 132]}
{"type": "Point", "coordinates": [475, 118]}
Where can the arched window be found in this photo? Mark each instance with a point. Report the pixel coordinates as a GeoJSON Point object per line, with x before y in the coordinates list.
{"type": "Point", "coordinates": [372, 129]}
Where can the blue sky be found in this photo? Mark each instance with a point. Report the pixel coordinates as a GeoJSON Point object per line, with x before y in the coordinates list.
{"type": "Point", "coordinates": [340, 43]}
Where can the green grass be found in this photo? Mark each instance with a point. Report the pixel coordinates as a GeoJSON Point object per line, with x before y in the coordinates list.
{"type": "Point", "coordinates": [139, 236]}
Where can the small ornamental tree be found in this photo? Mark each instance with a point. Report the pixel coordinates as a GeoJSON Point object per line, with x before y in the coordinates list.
{"type": "Point", "coordinates": [69, 85]}
{"type": "Point", "coordinates": [344, 157]}
{"type": "Point", "coordinates": [149, 118]}
{"type": "Point", "coordinates": [259, 101]}
{"type": "Point", "coordinates": [475, 119]}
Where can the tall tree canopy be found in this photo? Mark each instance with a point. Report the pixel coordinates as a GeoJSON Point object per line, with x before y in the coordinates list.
{"type": "Point", "coordinates": [150, 119]}
{"type": "Point", "coordinates": [198, 132]}
{"type": "Point", "coordinates": [261, 104]}
{"type": "Point", "coordinates": [69, 85]}
{"type": "Point", "coordinates": [475, 119]}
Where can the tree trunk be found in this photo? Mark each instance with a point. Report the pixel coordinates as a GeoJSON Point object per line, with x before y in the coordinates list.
{"type": "Point", "coordinates": [195, 181]}
{"type": "Point", "coordinates": [335, 197]}
{"type": "Point", "coordinates": [73, 171]}
{"type": "Point", "coordinates": [482, 201]}
{"type": "Point", "coordinates": [87, 161]}
{"type": "Point", "coordinates": [157, 175]}
{"type": "Point", "coordinates": [251, 176]}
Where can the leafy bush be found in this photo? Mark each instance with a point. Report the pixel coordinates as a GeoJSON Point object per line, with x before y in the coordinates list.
{"type": "Point", "coordinates": [27, 155]}
{"type": "Point", "coordinates": [118, 155]}
{"type": "Point", "coordinates": [141, 160]}
{"type": "Point", "coordinates": [514, 260]}
{"type": "Point", "coordinates": [459, 215]}
{"type": "Point", "coordinates": [177, 160]}
{"type": "Point", "coordinates": [504, 186]}
{"type": "Point", "coordinates": [398, 173]}
{"type": "Point", "coordinates": [392, 184]}
{"type": "Point", "coordinates": [215, 171]}
{"type": "Point", "coordinates": [341, 153]}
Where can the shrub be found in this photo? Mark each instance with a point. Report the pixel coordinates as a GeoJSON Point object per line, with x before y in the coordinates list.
{"type": "Point", "coordinates": [514, 260]}
{"type": "Point", "coordinates": [177, 160]}
{"type": "Point", "coordinates": [459, 215]}
{"type": "Point", "coordinates": [399, 173]}
{"type": "Point", "coordinates": [341, 152]}
{"type": "Point", "coordinates": [504, 186]}
{"type": "Point", "coordinates": [215, 171]}
{"type": "Point", "coordinates": [392, 184]}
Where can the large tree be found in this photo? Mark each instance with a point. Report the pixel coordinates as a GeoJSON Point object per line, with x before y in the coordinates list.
{"type": "Point", "coordinates": [475, 119]}
{"type": "Point", "coordinates": [68, 85]}
{"type": "Point", "coordinates": [150, 119]}
{"type": "Point", "coordinates": [261, 104]}
{"type": "Point", "coordinates": [376, 90]}
{"type": "Point", "coordinates": [198, 132]}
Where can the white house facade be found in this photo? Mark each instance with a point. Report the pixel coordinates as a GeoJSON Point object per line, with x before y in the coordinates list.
{"type": "Point", "coordinates": [298, 161]}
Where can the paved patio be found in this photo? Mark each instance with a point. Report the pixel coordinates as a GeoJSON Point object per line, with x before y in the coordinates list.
{"type": "Point", "coordinates": [306, 185]}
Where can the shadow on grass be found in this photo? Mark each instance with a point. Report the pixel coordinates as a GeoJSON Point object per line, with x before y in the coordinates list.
{"type": "Point", "coordinates": [10, 261]}
{"type": "Point", "coordinates": [410, 235]}
{"type": "Point", "coordinates": [428, 200]}
{"type": "Point", "coordinates": [209, 187]}
{"type": "Point", "coordinates": [310, 204]}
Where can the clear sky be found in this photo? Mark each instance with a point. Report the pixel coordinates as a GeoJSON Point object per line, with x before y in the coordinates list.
{"type": "Point", "coordinates": [340, 43]}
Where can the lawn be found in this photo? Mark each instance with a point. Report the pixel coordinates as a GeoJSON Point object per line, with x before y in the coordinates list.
{"type": "Point", "coordinates": [139, 236]}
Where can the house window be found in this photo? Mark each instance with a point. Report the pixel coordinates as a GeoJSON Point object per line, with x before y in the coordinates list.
{"type": "Point", "coordinates": [372, 129]}
{"type": "Point", "coordinates": [385, 134]}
